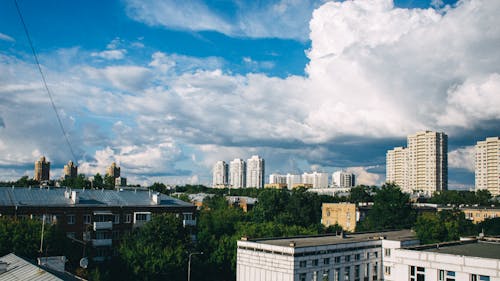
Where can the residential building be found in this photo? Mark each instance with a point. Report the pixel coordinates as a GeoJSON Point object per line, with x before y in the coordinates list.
{"type": "Point", "coordinates": [255, 172]}
{"type": "Point", "coordinates": [422, 166]}
{"type": "Point", "coordinates": [113, 171]}
{"type": "Point", "coordinates": [13, 267]}
{"type": "Point", "coordinates": [42, 170]}
{"type": "Point", "coordinates": [97, 217]}
{"type": "Point", "coordinates": [428, 162]}
{"type": "Point", "coordinates": [342, 179]}
{"type": "Point", "coordinates": [355, 256]}
{"type": "Point", "coordinates": [275, 185]}
{"type": "Point", "coordinates": [120, 182]}
{"type": "Point", "coordinates": [397, 167]}
{"type": "Point", "coordinates": [488, 165]}
{"type": "Point", "coordinates": [244, 202]}
{"type": "Point", "coordinates": [478, 214]}
{"type": "Point", "coordinates": [316, 179]}
{"type": "Point", "coordinates": [220, 174]}
{"type": "Point", "coordinates": [70, 170]}
{"type": "Point", "coordinates": [276, 178]}
{"type": "Point", "coordinates": [467, 260]}
{"type": "Point", "coordinates": [292, 180]}
{"type": "Point", "coordinates": [237, 173]}
{"type": "Point", "coordinates": [344, 214]}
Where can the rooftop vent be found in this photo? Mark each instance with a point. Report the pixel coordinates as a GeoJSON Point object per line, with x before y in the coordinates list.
{"type": "Point", "coordinates": [3, 266]}
{"type": "Point", "coordinates": [74, 197]}
{"type": "Point", "coordinates": [156, 198]}
{"type": "Point", "coordinates": [292, 244]}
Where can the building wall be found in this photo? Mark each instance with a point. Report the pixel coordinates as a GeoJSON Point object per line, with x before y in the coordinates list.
{"type": "Point", "coordinates": [487, 174]}
{"type": "Point", "coordinates": [42, 170]}
{"type": "Point", "coordinates": [237, 173]}
{"type": "Point", "coordinates": [220, 174]}
{"type": "Point", "coordinates": [343, 214]}
{"type": "Point", "coordinates": [462, 266]}
{"type": "Point", "coordinates": [255, 172]}
{"type": "Point", "coordinates": [477, 215]}
{"type": "Point", "coordinates": [397, 167]}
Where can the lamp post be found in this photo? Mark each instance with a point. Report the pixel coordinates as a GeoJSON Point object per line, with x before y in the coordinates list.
{"type": "Point", "coordinates": [189, 263]}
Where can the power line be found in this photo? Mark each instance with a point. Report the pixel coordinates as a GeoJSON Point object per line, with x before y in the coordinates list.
{"type": "Point", "coordinates": [44, 81]}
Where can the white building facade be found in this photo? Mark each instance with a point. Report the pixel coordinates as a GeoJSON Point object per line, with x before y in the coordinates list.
{"type": "Point", "coordinates": [237, 173]}
{"type": "Point", "coordinates": [397, 167]}
{"type": "Point", "coordinates": [220, 174]}
{"type": "Point", "coordinates": [488, 165]}
{"type": "Point", "coordinates": [342, 179]}
{"type": "Point", "coordinates": [277, 179]}
{"type": "Point", "coordinates": [292, 180]}
{"type": "Point", "coordinates": [255, 172]}
{"type": "Point", "coordinates": [316, 179]}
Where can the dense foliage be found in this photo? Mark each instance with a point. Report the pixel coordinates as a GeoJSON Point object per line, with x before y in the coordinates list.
{"type": "Point", "coordinates": [454, 197]}
{"type": "Point", "coordinates": [446, 225]}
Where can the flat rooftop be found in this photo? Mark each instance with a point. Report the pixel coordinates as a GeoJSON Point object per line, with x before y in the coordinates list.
{"type": "Point", "coordinates": [481, 249]}
{"type": "Point", "coordinates": [323, 240]}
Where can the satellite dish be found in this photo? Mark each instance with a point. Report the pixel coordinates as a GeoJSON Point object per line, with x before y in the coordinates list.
{"type": "Point", "coordinates": [84, 262]}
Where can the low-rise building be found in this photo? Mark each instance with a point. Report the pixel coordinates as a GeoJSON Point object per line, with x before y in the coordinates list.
{"type": "Point", "coordinates": [473, 260]}
{"type": "Point", "coordinates": [244, 202]}
{"type": "Point", "coordinates": [344, 214]}
{"type": "Point", "coordinates": [479, 214]}
{"type": "Point", "coordinates": [99, 218]}
{"type": "Point", "coordinates": [322, 257]}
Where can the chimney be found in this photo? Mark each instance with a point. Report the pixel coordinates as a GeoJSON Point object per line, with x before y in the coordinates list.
{"type": "Point", "coordinates": [74, 197]}
{"type": "Point", "coordinates": [292, 244]}
{"type": "Point", "coordinates": [156, 198]}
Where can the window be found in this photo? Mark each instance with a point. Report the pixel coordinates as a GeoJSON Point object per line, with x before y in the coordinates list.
{"type": "Point", "coordinates": [128, 218]}
{"type": "Point", "coordinates": [417, 273]}
{"type": "Point", "coordinates": [473, 277]}
{"type": "Point", "coordinates": [302, 263]}
{"type": "Point", "coordinates": [87, 219]}
{"type": "Point", "coordinates": [484, 278]}
{"type": "Point", "coordinates": [375, 254]}
{"type": "Point", "coordinates": [302, 277]}
{"type": "Point", "coordinates": [375, 271]}
{"type": "Point", "coordinates": [315, 262]}
{"type": "Point", "coordinates": [70, 219]}
{"type": "Point", "coordinates": [326, 261]}
{"type": "Point", "coordinates": [116, 234]}
{"type": "Point", "coordinates": [387, 270]}
{"type": "Point", "coordinates": [387, 252]}
{"type": "Point", "coordinates": [441, 275]}
{"type": "Point", "coordinates": [357, 272]}
{"type": "Point", "coordinates": [337, 259]}
{"type": "Point", "coordinates": [336, 274]}
{"type": "Point", "coordinates": [116, 218]}
{"type": "Point", "coordinates": [326, 275]}
{"type": "Point", "coordinates": [450, 275]}
{"type": "Point", "coordinates": [347, 258]}
{"type": "Point", "coordinates": [347, 274]}
{"type": "Point", "coordinates": [367, 255]}
{"type": "Point", "coordinates": [357, 257]}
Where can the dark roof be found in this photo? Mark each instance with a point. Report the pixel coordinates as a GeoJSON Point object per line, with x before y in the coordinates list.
{"type": "Point", "coordinates": [55, 197]}
{"type": "Point", "coordinates": [490, 250]}
{"type": "Point", "coordinates": [322, 240]}
{"type": "Point", "coordinates": [21, 269]}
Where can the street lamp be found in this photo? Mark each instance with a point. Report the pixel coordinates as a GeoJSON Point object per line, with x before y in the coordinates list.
{"type": "Point", "coordinates": [189, 263]}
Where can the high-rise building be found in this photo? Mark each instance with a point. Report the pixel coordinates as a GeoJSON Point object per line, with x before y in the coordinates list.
{"type": "Point", "coordinates": [293, 180]}
{"type": "Point", "coordinates": [113, 171]}
{"type": "Point", "coordinates": [70, 170]}
{"type": "Point", "coordinates": [397, 167]}
{"type": "Point", "coordinates": [237, 173]}
{"type": "Point", "coordinates": [220, 174]}
{"type": "Point", "coordinates": [488, 165]}
{"type": "Point", "coordinates": [428, 162]}
{"type": "Point", "coordinates": [277, 179]}
{"type": "Point", "coordinates": [343, 179]}
{"type": "Point", "coordinates": [316, 179]}
{"type": "Point", "coordinates": [423, 166]}
{"type": "Point", "coordinates": [255, 172]}
{"type": "Point", "coordinates": [42, 170]}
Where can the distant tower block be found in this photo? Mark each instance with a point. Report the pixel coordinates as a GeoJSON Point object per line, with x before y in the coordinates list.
{"type": "Point", "coordinates": [42, 170]}
{"type": "Point", "coordinates": [70, 170]}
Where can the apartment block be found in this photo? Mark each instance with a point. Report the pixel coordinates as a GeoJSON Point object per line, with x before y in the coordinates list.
{"type": "Point", "coordinates": [237, 173]}
{"type": "Point", "coordinates": [255, 172]}
{"type": "Point", "coordinates": [342, 179]}
{"type": "Point", "coordinates": [488, 165]}
{"type": "Point", "coordinates": [70, 170]}
{"type": "Point", "coordinates": [42, 170]}
{"type": "Point", "coordinates": [315, 179]}
{"type": "Point", "coordinates": [220, 174]}
{"type": "Point", "coordinates": [397, 167]}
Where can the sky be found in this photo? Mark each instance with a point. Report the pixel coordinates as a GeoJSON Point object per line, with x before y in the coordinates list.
{"type": "Point", "coordinates": [167, 88]}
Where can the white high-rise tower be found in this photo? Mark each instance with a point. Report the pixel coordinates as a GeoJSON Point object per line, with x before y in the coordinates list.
{"type": "Point", "coordinates": [237, 173]}
{"type": "Point", "coordinates": [488, 165]}
{"type": "Point", "coordinates": [255, 172]}
{"type": "Point", "coordinates": [220, 174]}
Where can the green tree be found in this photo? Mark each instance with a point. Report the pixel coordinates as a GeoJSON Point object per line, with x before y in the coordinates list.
{"type": "Point", "coordinates": [98, 181]}
{"type": "Point", "coordinates": [391, 210]}
{"type": "Point", "coordinates": [109, 182]}
{"type": "Point", "coordinates": [158, 250]}
{"type": "Point", "coordinates": [360, 193]}
{"type": "Point", "coordinates": [446, 225]}
{"type": "Point", "coordinates": [491, 227]}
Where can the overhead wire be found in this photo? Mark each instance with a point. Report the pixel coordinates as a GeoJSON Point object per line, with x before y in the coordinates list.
{"type": "Point", "coordinates": [61, 126]}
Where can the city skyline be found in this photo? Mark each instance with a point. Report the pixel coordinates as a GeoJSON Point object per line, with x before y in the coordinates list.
{"type": "Point", "coordinates": [307, 85]}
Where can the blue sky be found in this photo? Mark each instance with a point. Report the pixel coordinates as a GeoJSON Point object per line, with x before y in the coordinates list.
{"type": "Point", "coordinates": [166, 88]}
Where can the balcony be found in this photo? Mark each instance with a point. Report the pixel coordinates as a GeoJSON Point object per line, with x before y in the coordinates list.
{"type": "Point", "coordinates": [188, 223]}
{"type": "Point", "coordinates": [103, 225]}
{"type": "Point", "coordinates": [101, 242]}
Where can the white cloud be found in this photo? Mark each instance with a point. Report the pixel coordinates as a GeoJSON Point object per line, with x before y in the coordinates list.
{"type": "Point", "coordinates": [363, 176]}
{"type": "Point", "coordinates": [464, 158]}
{"type": "Point", "coordinates": [278, 19]}
{"type": "Point", "coordinates": [6, 37]}
{"type": "Point", "coordinates": [110, 54]}
{"type": "Point", "coordinates": [125, 77]}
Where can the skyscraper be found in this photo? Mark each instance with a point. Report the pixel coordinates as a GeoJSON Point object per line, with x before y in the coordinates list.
{"type": "Point", "coordinates": [397, 167]}
{"type": "Point", "coordinates": [487, 165]}
{"type": "Point", "coordinates": [70, 170]}
{"type": "Point", "coordinates": [316, 179]}
{"type": "Point", "coordinates": [343, 179]}
{"type": "Point", "coordinates": [220, 174]}
{"type": "Point", "coordinates": [113, 171]}
{"type": "Point", "coordinates": [423, 166]}
{"type": "Point", "coordinates": [292, 180]}
{"type": "Point", "coordinates": [237, 173]}
{"type": "Point", "coordinates": [255, 172]}
{"type": "Point", "coordinates": [42, 170]}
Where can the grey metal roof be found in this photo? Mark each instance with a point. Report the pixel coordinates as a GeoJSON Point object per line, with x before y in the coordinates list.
{"type": "Point", "coordinates": [21, 196]}
{"type": "Point", "coordinates": [20, 269]}
{"type": "Point", "coordinates": [480, 249]}
{"type": "Point", "coordinates": [328, 239]}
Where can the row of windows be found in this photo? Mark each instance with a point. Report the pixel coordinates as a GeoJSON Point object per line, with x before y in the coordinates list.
{"type": "Point", "coordinates": [87, 218]}
{"type": "Point", "coordinates": [338, 259]}
{"type": "Point", "coordinates": [346, 275]}
{"type": "Point", "coordinates": [418, 274]}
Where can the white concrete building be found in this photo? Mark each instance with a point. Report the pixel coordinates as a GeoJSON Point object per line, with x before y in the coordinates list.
{"type": "Point", "coordinates": [323, 257]}
{"type": "Point", "coordinates": [237, 173]}
{"type": "Point", "coordinates": [277, 179]}
{"type": "Point", "coordinates": [343, 179]}
{"type": "Point", "coordinates": [220, 174]}
{"type": "Point", "coordinates": [318, 180]}
{"type": "Point", "coordinates": [255, 172]}
{"type": "Point", "coordinates": [476, 260]}
{"type": "Point", "coordinates": [488, 165]}
{"type": "Point", "coordinates": [397, 167]}
{"type": "Point", "coordinates": [292, 179]}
